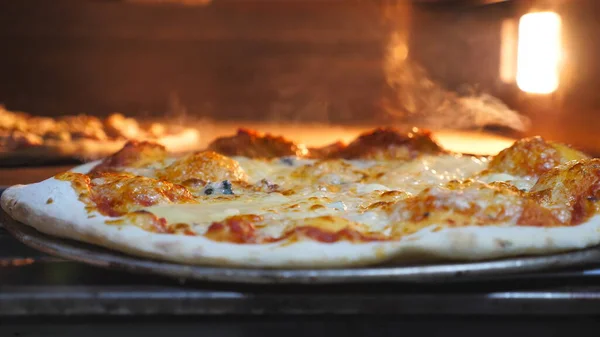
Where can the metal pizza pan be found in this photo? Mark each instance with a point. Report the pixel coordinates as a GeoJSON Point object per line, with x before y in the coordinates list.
{"type": "Point", "coordinates": [431, 273]}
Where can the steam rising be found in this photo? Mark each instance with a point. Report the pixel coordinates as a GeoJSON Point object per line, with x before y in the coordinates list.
{"type": "Point", "coordinates": [176, 110]}
{"type": "Point", "coordinates": [415, 98]}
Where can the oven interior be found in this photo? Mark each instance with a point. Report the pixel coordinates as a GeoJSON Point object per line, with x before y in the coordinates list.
{"type": "Point", "coordinates": [478, 73]}
{"type": "Point", "coordinates": [316, 71]}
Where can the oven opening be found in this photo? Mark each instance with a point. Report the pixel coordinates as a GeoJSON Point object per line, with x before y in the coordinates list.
{"type": "Point", "coordinates": [539, 52]}
{"type": "Point", "coordinates": [479, 74]}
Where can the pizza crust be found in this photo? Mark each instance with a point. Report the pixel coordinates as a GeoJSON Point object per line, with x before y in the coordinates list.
{"type": "Point", "coordinates": [90, 149]}
{"type": "Point", "coordinates": [66, 217]}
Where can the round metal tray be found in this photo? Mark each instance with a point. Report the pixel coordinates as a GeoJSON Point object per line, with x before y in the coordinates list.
{"type": "Point", "coordinates": [450, 272]}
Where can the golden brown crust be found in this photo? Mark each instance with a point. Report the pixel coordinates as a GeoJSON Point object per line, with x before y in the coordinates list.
{"type": "Point", "coordinates": [571, 190]}
{"type": "Point", "coordinates": [119, 126]}
{"type": "Point", "coordinates": [21, 132]}
{"type": "Point", "coordinates": [532, 157]}
{"type": "Point", "coordinates": [468, 203]}
{"type": "Point", "coordinates": [252, 144]}
{"type": "Point", "coordinates": [81, 126]}
{"type": "Point", "coordinates": [115, 194]}
{"type": "Point", "coordinates": [327, 151]}
{"type": "Point", "coordinates": [14, 139]}
{"type": "Point", "coordinates": [133, 155]}
{"type": "Point", "coordinates": [381, 143]}
{"type": "Point", "coordinates": [207, 166]}
{"type": "Point", "coordinates": [389, 143]}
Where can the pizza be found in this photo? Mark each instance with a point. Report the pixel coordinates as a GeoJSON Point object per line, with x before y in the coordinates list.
{"type": "Point", "coordinates": [256, 200]}
{"type": "Point", "coordinates": [32, 139]}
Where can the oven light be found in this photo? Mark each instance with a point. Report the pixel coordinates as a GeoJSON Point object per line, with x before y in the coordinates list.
{"type": "Point", "coordinates": [539, 52]}
{"type": "Point", "coordinates": [508, 50]}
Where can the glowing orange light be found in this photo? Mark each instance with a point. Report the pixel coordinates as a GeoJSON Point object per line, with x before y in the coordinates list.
{"type": "Point", "coordinates": [539, 52]}
{"type": "Point", "coordinates": [508, 51]}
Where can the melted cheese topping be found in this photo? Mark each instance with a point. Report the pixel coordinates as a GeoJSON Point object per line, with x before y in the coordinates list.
{"type": "Point", "coordinates": [523, 183]}
{"type": "Point", "coordinates": [278, 210]}
{"type": "Point", "coordinates": [245, 200]}
{"type": "Point", "coordinates": [217, 210]}
{"type": "Point", "coordinates": [359, 191]}
{"type": "Point", "coordinates": [415, 176]}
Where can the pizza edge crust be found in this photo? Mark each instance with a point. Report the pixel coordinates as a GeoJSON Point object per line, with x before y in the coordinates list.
{"type": "Point", "coordinates": [89, 149]}
{"type": "Point", "coordinates": [66, 217]}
